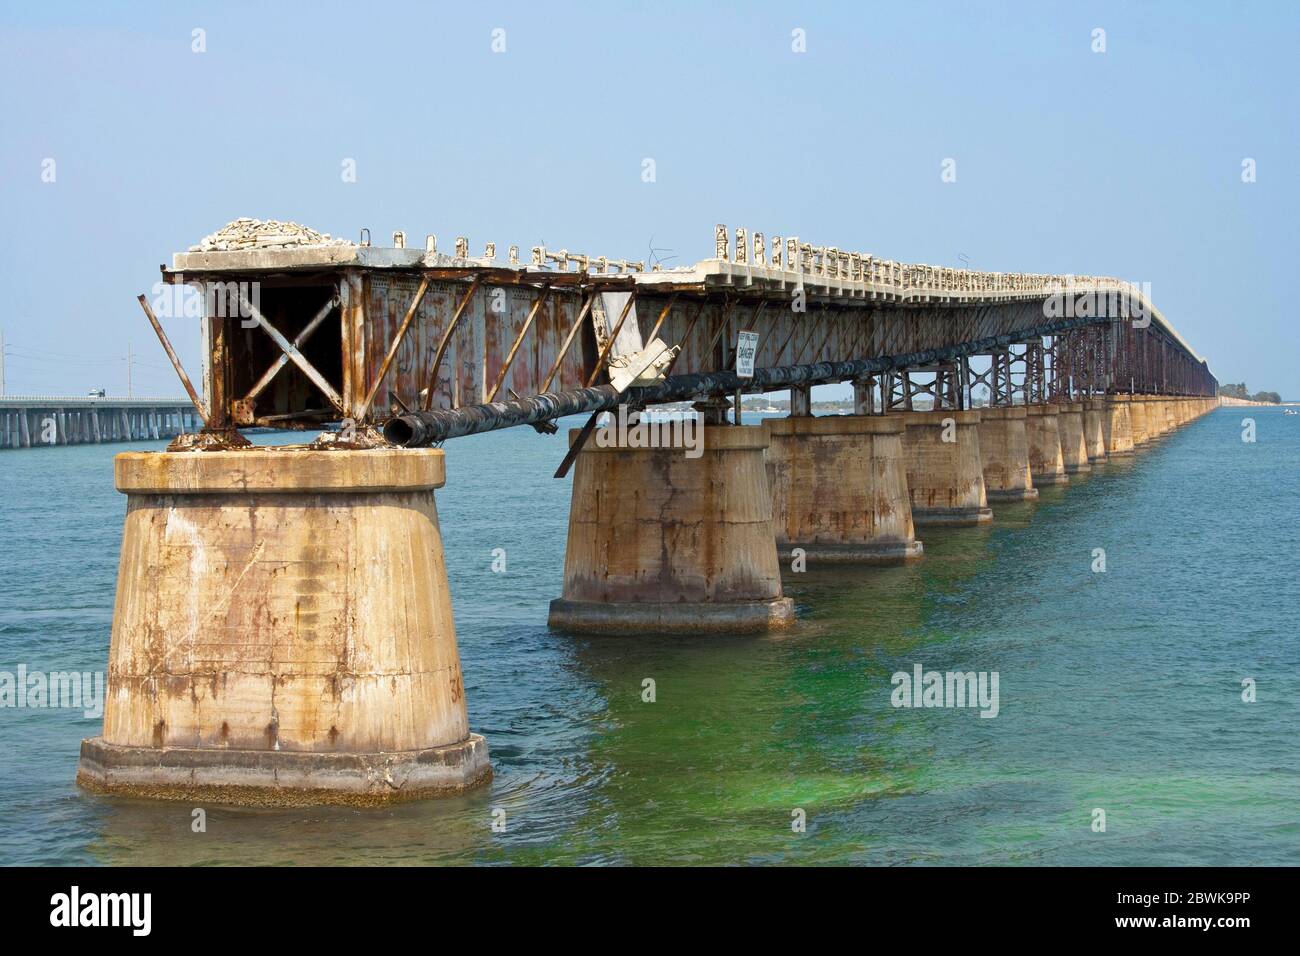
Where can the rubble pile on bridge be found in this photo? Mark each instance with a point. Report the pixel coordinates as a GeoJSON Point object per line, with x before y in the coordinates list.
{"type": "Point", "coordinates": [246, 233]}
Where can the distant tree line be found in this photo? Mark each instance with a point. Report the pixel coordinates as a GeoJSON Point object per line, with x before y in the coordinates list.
{"type": "Point", "coordinates": [1239, 390]}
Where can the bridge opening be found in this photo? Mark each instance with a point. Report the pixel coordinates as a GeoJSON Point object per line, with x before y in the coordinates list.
{"type": "Point", "coordinates": [290, 399]}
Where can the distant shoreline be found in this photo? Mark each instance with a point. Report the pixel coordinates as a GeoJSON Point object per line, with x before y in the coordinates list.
{"type": "Point", "coordinates": [1226, 400]}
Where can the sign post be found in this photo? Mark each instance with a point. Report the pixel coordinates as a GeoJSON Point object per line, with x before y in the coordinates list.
{"type": "Point", "coordinates": [746, 350]}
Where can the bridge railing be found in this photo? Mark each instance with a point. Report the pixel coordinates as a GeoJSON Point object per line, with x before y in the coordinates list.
{"type": "Point", "coordinates": [910, 279]}
{"type": "Point", "coordinates": [91, 399]}
{"type": "Point", "coordinates": [919, 281]}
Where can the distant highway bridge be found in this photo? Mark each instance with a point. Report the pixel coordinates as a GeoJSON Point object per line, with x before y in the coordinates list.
{"type": "Point", "coordinates": [33, 421]}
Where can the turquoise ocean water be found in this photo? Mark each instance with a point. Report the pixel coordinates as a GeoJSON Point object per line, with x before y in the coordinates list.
{"type": "Point", "coordinates": [1119, 691]}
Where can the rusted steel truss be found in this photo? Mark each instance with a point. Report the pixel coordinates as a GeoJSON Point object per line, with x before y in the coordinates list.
{"type": "Point", "coordinates": [424, 428]}
{"type": "Point", "coordinates": [441, 334]}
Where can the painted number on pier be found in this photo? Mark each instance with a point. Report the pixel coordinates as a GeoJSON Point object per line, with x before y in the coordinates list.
{"type": "Point", "coordinates": [746, 349]}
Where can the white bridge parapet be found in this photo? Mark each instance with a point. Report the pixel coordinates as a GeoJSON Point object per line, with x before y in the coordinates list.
{"type": "Point", "coordinates": [34, 421]}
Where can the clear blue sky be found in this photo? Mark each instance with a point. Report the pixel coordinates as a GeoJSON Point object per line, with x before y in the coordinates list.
{"type": "Point", "coordinates": [1123, 163]}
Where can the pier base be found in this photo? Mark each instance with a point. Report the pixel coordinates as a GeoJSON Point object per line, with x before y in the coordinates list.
{"type": "Point", "coordinates": [665, 543]}
{"type": "Point", "coordinates": [1155, 417]}
{"type": "Point", "coordinates": [1169, 409]}
{"type": "Point", "coordinates": [1074, 446]}
{"type": "Point", "coordinates": [1137, 413]}
{"type": "Point", "coordinates": [945, 476]}
{"type": "Point", "coordinates": [1046, 462]}
{"type": "Point", "coordinates": [283, 633]}
{"type": "Point", "coordinates": [1004, 454]}
{"type": "Point", "coordinates": [1116, 426]}
{"type": "Point", "coordinates": [839, 489]}
{"type": "Point", "coordinates": [1094, 434]}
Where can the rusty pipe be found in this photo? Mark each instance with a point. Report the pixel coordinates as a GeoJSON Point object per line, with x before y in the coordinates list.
{"type": "Point", "coordinates": [420, 429]}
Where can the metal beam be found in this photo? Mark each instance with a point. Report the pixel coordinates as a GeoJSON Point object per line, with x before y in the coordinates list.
{"type": "Point", "coordinates": [295, 356]}
{"type": "Point", "coordinates": [392, 349]}
{"type": "Point", "coordinates": [299, 340]}
{"type": "Point", "coordinates": [176, 363]}
{"type": "Point", "coordinates": [427, 428]}
{"type": "Point", "coordinates": [519, 340]}
{"type": "Point", "coordinates": [446, 340]}
{"type": "Point", "coordinates": [568, 340]}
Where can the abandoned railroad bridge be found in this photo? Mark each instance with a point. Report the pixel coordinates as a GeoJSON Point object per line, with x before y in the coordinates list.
{"type": "Point", "coordinates": [283, 630]}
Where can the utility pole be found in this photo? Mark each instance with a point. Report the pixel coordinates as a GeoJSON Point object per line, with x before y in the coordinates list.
{"type": "Point", "coordinates": [128, 370]}
{"type": "Point", "coordinates": [2, 364]}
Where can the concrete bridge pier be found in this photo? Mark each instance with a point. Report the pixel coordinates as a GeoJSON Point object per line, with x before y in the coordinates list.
{"type": "Point", "coordinates": [1004, 454]}
{"type": "Point", "coordinates": [1155, 421]}
{"type": "Point", "coordinates": [1159, 424]}
{"type": "Point", "coordinates": [1046, 461]}
{"type": "Point", "coordinates": [839, 489]}
{"type": "Point", "coordinates": [670, 539]}
{"type": "Point", "coordinates": [1137, 411]}
{"type": "Point", "coordinates": [1159, 415]}
{"type": "Point", "coordinates": [945, 473]}
{"type": "Point", "coordinates": [1170, 408]}
{"type": "Point", "coordinates": [1074, 443]}
{"type": "Point", "coordinates": [1094, 434]}
{"type": "Point", "coordinates": [282, 633]}
{"type": "Point", "coordinates": [1155, 416]}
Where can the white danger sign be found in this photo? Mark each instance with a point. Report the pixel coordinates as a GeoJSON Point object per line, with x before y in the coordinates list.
{"type": "Point", "coordinates": [746, 349]}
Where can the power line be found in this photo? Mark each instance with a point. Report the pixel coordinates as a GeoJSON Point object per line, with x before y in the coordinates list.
{"type": "Point", "coordinates": [55, 354]}
{"type": "Point", "coordinates": [20, 351]}
{"type": "Point", "coordinates": [47, 361]}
